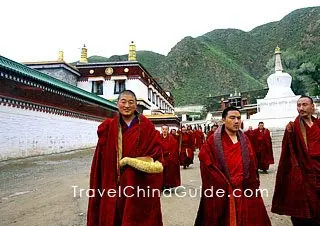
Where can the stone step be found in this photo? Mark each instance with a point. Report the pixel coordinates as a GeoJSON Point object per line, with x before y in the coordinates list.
{"type": "Point", "coordinates": [277, 133]}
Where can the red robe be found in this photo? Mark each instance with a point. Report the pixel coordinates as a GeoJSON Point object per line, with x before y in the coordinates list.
{"type": "Point", "coordinates": [193, 139]}
{"type": "Point", "coordinates": [176, 136]}
{"type": "Point", "coordinates": [250, 135]}
{"type": "Point", "coordinates": [171, 170]}
{"type": "Point", "coordinates": [209, 134]}
{"type": "Point", "coordinates": [199, 137]}
{"type": "Point", "coordinates": [141, 139]}
{"type": "Point", "coordinates": [186, 154]}
{"type": "Point", "coordinates": [297, 190]}
{"type": "Point", "coordinates": [262, 145]}
{"type": "Point", "coordinates": [229, 166]}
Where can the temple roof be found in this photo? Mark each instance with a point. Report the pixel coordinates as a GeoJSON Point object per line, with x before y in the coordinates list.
{"type": "Point", "coordinates": [37, 75]}
{"type": "Point", "coordinates": [53, 64]}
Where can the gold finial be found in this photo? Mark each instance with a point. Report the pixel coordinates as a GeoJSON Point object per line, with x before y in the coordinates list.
{"type": "Point", "coordinates": [84, 55]}
{"type": "Point", "coordinates": [60, 59]}
{"type": "Point", "coordinates": [132, 52]}
{"type": "Point", "coordinates": [277, 50]}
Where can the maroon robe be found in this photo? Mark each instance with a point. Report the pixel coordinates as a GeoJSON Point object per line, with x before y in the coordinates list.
{"type": "Point", "coordinates": [141, 139]}
{"type": "Point", "coordinates": [297, 188]}
{"type": "Point", "coordinates": [209, 134]}
{"type": "Point", "coordinates": [199, 137]}
{"type": "Point", "coordinates": [171, 170]}
{"type": "Point", "coordinates": [262, 145]}
{"type": "Point", "coordinates": [229, 166]}
{"type": "Point", "coordinates": [176, 136]}
{"type": "Point", "coordinates": [250, 135]}
{"type": "Point", "coordinates": [186, 154]}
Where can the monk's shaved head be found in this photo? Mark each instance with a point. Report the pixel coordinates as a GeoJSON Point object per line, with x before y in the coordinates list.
{"type": "Point", "coordinates": [305, 96]}
{"type": "Point", "coordinates": [127, 92]}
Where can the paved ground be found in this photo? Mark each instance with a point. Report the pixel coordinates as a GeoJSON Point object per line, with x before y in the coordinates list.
{"type": "Point", "coordinates": [38, 191]}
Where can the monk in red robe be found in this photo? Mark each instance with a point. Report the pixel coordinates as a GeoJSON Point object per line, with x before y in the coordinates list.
{"type": "Point", "coordinates": [192, 136]}
{"type": "Point", "coordinates": [199, 138]}
{"type": "Point", "coordinates": [186, 153]}
{"type": "Point", "coordinates": [127, 160]}
{"type": "Point", "coordinates": [171, 165]}
{"type": "Point", "coordinates": [297, 189]}
{"type": "Point", "coordinates": [213, 129]}
{"type": "Point", "coordinates": [249, 133]}
{"type": "Point", "coordinates": [262, 145]}
{"type": "Point", "coordinates": [175, 134]}
{"type": "Point", "coordinates": [228, 169]}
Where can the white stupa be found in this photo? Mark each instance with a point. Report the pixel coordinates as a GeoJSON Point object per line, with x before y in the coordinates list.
{"type": "Point", "coordinates": [280, 104]}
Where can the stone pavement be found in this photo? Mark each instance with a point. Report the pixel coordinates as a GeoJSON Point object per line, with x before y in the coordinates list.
{"type": "Point", "coordinates": [38, 191]}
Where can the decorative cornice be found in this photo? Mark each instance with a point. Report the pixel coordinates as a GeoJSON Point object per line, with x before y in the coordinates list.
{"type": "Point", "coordinates": [21, 72]}
{"type": "Point", "coordinates": [11, 102]}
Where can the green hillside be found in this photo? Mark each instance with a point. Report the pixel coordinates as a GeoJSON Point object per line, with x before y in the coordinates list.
{"type": "Point", "coordinates": [148, 59]}
{"type": "Point", "coordinates": [224, 60]}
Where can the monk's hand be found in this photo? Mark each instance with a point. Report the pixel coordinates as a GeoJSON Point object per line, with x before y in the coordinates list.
{"type": "Point", "coordinates": [289, 127]}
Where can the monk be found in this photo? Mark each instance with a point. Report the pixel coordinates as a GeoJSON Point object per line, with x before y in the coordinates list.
{"type": "Point", "coordinates": [297, 189]}
{"type": "Point", "coordinates": [193, 137]}
{"type": "Point", "coordinates": [128, 157]}
{"type": "Point", "coordinates": [186, 153]}
{"type": "Point", "coordinates": [228, 167]}
{"type": "Point", "coordinates": [175, 134]}
{"type": "Point", "coordinates": [262, 145]}
{"type": "Point", "coordinates": [199, 138]}
{"type": "Point", "coordinates": [249, 134]}
{"type": "Point", "coordinates": [171, 169]}
{"type": "Point", "coordinates": [213, 129]}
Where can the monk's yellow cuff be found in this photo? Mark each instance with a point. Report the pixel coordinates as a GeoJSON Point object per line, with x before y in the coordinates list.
{"type": "Point", "coordinates": [144, 164]}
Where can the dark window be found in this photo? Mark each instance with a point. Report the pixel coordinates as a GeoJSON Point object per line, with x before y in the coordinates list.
{"type": "Point", "coordinates": [97, 87]}
{"type": "Point", "coordinates": [154, 97]}
{"type": "Point", "coordinates": [236, 102]}
{"type": "Point", "coordinates": [119, 86]}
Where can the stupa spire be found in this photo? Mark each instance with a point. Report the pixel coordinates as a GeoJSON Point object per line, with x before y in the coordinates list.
{"type": "Point", "coordinates": [278, 64]}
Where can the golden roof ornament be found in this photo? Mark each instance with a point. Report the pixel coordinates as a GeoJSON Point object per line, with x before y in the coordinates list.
{"type": "Point", "coordinates": [277, 50]}
{"type": "Point", "coordinates": [132, 56]}
{"type": "Point", "coordinates": [84, 55]}
{"type": "Point", "coordinates": [60, 59]}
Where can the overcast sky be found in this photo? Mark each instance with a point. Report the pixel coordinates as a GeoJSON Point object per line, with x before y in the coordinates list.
{"type": "Point", "coordinates": [35, 30]}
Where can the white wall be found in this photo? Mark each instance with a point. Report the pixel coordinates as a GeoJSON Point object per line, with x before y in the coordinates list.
{"type": "Point", "coordinates": [28, 133]}
{"type": "Point", "coordinates": [136, 85]}
{"type": "Point", "coordinates": [85, 85]}
{"type": "Point", "coordinates": [108, 90]}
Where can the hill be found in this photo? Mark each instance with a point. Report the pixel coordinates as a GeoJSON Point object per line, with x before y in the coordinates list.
{"type": "Point", "coordinates": [224, 60]}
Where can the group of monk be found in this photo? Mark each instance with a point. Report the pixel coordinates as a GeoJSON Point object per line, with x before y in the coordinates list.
{"type": "Point", "coordinates": [131, 153]}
